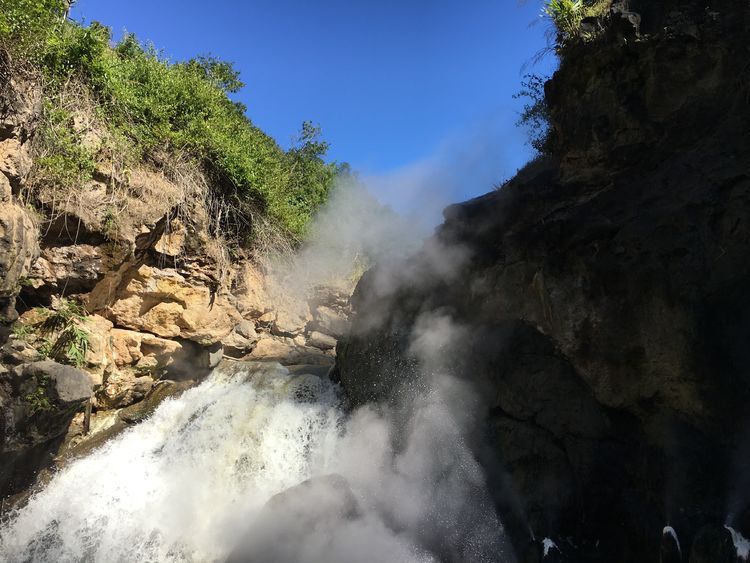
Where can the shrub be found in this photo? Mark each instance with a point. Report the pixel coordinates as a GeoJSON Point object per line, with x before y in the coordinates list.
{"type": "Point", "coordinates": [159, 107]}
{"type": "Point", "coordinates": [25, 24]}
{"type": "Point", "coordinates": [567, 15]}
{"type": "Point", "coordinates": [535, 115]}
{"type": "Point", "coordinates": [57, 333]}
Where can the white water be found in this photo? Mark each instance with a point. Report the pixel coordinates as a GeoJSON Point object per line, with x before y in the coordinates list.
{"type": "Point", "coordinates": [188, 483]}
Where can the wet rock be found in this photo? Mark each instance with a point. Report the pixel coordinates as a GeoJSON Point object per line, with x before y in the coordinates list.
{"type": "Point", "coordinates": [314, 508]}
{"type": "Point", "coordinates": [61, 384]}
{"type": "Point", "coordinates": [605, 293]}
{"type": "Point", "coordinates": [320, 340]}
{"type": "Point", "coordinates": [18, 250]}
{"type": "Point", "coordinates": [38, 401]}
{"type": "Point", "coordinates": [670, 550]}
{"type": "Point", "coordinates": [330, 321]}
{"type": "Point", "coordinates": [713, 544]}
{"type": "Point", "coordinates": [123, 388]}
{"type": "Point", "coordinates": [161, 391]}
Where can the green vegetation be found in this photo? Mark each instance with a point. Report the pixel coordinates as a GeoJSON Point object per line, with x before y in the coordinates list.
{"type": "Point", "coordinates": [535, 115]}
{"type": "Point", "coordinates": [38, 399]}
{"type": "Point", "coordinates": [155, 111]}
{"type": "Point", "coordinates": [57, 332]}
{"type": "Point", "coordinates": [567, 15]}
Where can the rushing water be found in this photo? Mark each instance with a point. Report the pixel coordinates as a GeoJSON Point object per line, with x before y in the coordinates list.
{"type": "Point", "coordinates": [188, 483]}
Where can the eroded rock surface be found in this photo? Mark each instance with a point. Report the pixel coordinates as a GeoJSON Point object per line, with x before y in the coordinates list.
{"type": "Point", "coordinates": [604, 290]}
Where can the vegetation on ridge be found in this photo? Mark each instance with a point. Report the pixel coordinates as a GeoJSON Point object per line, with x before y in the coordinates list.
{"type": "Point", "coordinates": [149, 109]}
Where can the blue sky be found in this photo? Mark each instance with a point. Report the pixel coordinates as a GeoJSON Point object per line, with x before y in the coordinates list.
{"type": "Point", "coordinates": [398, 87]}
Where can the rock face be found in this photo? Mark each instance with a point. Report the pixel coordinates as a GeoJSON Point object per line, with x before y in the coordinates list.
{"type": "Point", "coordinates": [39, 400]}
{"type": "Point", "coordinates": [604, 290]}
{"type": "Point", "coordinates": [19, 102]}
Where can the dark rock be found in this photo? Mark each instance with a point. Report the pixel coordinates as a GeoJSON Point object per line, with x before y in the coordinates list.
{"type": "Point", "coordinates": [64, 384]}
{"type": "Point", "coordinates": [670, 550]}
{"type": "Point", "coordinates": [39, 401]}
{"type": "Point", "coordinates": [604, 292]}
{"type": "Point", "coordinates": [713, 544]}
{"type": "Point", "coordinates": [314, 508]}
{"type": "Point", "coordinates": [160, 392]}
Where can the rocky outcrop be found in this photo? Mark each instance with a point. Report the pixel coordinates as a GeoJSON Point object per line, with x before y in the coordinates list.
{"type": "Point", "coordinates": [604, 292]}
{"type": "Point", "coordinates": [164, 302]}
{"type": "Point", "coordinates": [19, 103]}
{"type": "Point", "coordinates": [39, 400]}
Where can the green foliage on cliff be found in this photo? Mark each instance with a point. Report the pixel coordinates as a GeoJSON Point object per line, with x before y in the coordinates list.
{"type": "Point", "coordinates": [151, 106]}
{"type": "Point", "coordinates": [567, 15]}
{"type": "Point", "coordinates": [535, 117]}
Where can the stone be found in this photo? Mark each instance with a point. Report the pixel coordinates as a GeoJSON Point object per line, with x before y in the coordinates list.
{"type": "Point", "coordinates": [165, 303]}
{"type": "Point", "coordinates": [320, 340]}
{"type": "Point", "coordinates": [70, 269]}
{"type": "Point", "coordinates": [313, 511]}
{"type": "Point", "coordinates": [5, 189]}
{"type": "Point", "coordinates": [246, 329]}
{"type": "Point", "coordinates": [241, 340]}
{"type": "Point", "coordinates": [123, 388]}
{"type": "Point", "coordinates": [18, 250]}
{"type": "Point", "coordinates": [63, 384]}
{"type": "Point", "coordinates": [249, 290]}
{"type": "Point", "coordinates": [172, 242]}
{"type": "Point", "coordinates": [329, 321]}
{"type": "Point", "coordinates": [272, 348]}
{"type": "Point", "coordinates": [161, 391]}
{"type": "Point", "coordinates": [15, 162]}
{"type": "Point", "coordinates": [99, 351]}
{"type": "Point", "coordinates": [713, 544]}
{"type": "Point", "coordinates": [601, 296]}
{"type": "Point", "coordinates": [290, 319]}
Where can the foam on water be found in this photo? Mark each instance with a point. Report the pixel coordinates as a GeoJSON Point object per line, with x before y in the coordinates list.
{"type": "Point", "coordinates": [178, 486]}
{"type": "Point", "coordinates": [189, 484]}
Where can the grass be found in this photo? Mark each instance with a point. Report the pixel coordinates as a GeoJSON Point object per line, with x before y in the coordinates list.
{"type": "Point", "coordinates": [567, 15]}
{"type": "Point", "coordinates": [57, 333]}
{"type": "Point", "coordinates": [150, 110]}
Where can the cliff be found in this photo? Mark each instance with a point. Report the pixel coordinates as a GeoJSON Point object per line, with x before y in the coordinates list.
{"type": "Point", "coordinates": [602, 297]}
{"type": "Point", "coordinates": [121, 287]}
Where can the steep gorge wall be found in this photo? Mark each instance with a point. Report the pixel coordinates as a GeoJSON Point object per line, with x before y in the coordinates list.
{"type": "Point", "coordinates": [156, 300]}
{"type": "Point", "coordinates": [604, 295]}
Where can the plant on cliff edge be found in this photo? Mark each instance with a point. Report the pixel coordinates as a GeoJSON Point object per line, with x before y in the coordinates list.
{"type": "Point", "coordinates": [565, 14]}
{"type": "Point", "coordinates": [159, 110]}
{"type": "Point", "coordinates": [535, 116]}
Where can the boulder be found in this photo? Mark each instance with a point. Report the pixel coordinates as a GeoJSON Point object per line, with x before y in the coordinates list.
{"type": "Point", "coordinates": [38, 401]}
{"type": "Point", "coordinates": [713, 544]}
{"type": "Point", "coordinates": [123, 388]}
{"type": "Point", "coordinates": [311, 512]}
{"type": "Point", "coordinates": [60, 383]}
{"type": "Point", "coordinates": [330, 321]}
{"type": "Point", "coordinates": [320, 340]}
{"type": "Point", "coordinates": [241, 341]}
{"type": "Point", "coordinates": [291, 318]}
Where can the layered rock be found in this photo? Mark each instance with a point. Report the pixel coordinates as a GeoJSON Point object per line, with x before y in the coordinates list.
{"type": "Point", "coordinates": [604, 292]}
{"type": "Point", "coordinates": [19, 104]}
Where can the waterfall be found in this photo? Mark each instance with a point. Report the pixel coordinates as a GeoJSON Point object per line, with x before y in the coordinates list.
{"type": "Point", "coordinates": [189, 482]}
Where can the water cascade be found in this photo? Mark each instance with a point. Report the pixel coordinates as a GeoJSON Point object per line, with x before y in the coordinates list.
{"type": "Point", "coordinates": [189, 483]}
